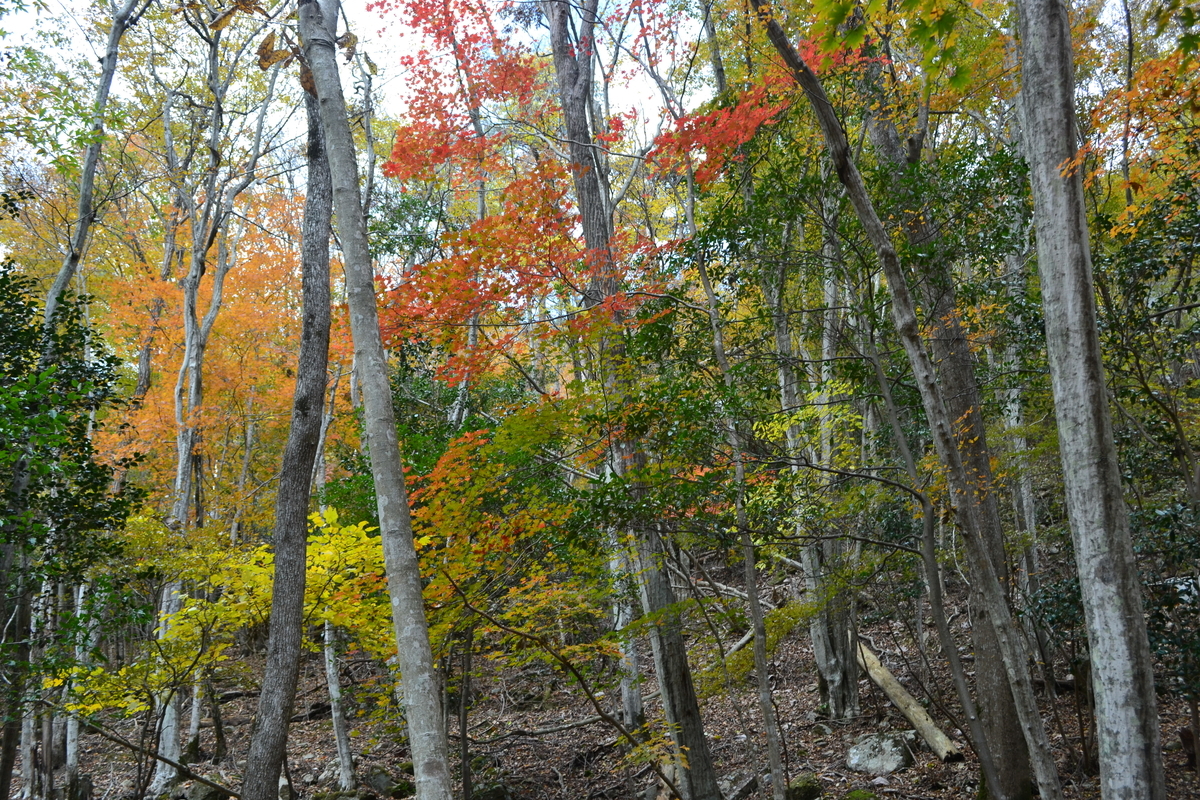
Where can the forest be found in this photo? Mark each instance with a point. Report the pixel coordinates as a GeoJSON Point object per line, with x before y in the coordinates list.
{"type": "Point", "coordinates": [697, 399]}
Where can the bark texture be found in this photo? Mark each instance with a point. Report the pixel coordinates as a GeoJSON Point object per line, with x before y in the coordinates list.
{"type": "Point", "coordinates": [1122, 672]}
{"type": "Point", "coordinates": [573, 59]}
{"type": "Point", "coordinates": [268, 742]}
{"type": "Point", "coordinates": [427, 736]}
{"type": "Point", "coordinates": [955, 364]}
{"type": "Point", "coordinates": [904, 317]}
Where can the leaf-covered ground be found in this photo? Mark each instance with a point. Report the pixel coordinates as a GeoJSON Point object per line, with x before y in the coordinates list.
{"type": "Point", "coordinates": [529, 734]}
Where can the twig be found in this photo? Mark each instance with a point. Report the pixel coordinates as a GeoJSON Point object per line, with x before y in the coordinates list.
{"type": "Point", "coordinates": [566, 726]}
{"type": "Point", "coordinates": [569, 667]}
{"type": "Point", "coordinates": [117, 739]}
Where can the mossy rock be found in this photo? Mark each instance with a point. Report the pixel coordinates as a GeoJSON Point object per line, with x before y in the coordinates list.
{"type": "Point", "coordinates": [860, 794]}
{"type": "Point", "coordinates": [804, 787]}
{"type": "Point", "coordinates": [403, 788]}
{"type": "Point", "coordinates": [406, 768]}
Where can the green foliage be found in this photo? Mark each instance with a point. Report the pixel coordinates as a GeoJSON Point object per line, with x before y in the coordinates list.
{"type": "Point", "coordinates": [1168, 545]}
{"type": "Point", "coordinates": [1149, 288]}
{"type": "Point", "coordinates": [57, 504]}
{"type": "Point", "coordinates": [779, 623]}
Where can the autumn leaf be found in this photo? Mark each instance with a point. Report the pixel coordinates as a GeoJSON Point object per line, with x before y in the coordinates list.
{"type": "Point", "coordinates": [222, 22]}
{"type": "Point", "coordinates": [348, 42]}
{"type": "Point", "coordinates": [306, 80]}
{"type": "Point", "coordinates": [268, 56]}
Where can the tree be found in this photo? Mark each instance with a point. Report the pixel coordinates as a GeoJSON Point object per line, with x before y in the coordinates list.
{"type": "Point", "coordinates": [269, 739]}
{"type": "Point", "coordinates": [1010, 641]}
{"type": "Point", "coordinates": [426, 734]}
{"type": "Point", "coordinates": [59, 512]}
{"type": "Point", "coordinates": [1123, 674]}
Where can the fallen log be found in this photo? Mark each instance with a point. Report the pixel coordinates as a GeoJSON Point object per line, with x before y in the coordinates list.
{"type": "Point", "coordinates": [913, 711]}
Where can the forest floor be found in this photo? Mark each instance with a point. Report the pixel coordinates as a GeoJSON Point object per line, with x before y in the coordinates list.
{"type": "Point", "coordinates": [523, 735]}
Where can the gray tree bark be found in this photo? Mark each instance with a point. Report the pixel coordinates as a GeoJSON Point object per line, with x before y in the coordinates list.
{"type": "Point", "coordinates": [955, 364]}
{"type": "Point", "coordinates": [749, 555]}
{"type": "Point", "coordinates": [167, 703]}
{"type": "Point", "coordinates": [427, 735]}
{"type": "Point", "coordinates": [124, 17]}
{"type": "Point", "coordinates": [1122, 672]}
{"type": "Point", "coordinates": [337, 713]}
{"type": "Point", "coordinates": [268, 741]}
{"type": "Point", "coordinates": [1010, 641]}
{"type": "Point", "coordinates": [573, 68]}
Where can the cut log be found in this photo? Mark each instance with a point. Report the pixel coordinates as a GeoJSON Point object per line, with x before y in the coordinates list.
{"type": "Point", "coordinates": [913, 711]}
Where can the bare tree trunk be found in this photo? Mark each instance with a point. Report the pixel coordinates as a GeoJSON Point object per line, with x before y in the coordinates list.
{"type": "Point", "coordinates": [124, 18]}
{"type": "Point", "coordinates": [620, 565]}
{"type": "Point", "coordinates": [833, 631]}
{"type": "Point", "coordinates": [30, 785]}
{"type": "Point", "coordinates": [1010, 641]}
{"type": "Point", "coordinates": [573, 70]}
{"type": "Point", "coordinates": [1122, 671]}
{"type": "Point", "coordinates": [167, 703]}
{"type": "Point", "coordinates": [933, 581]}
{"type": "Point", "coordinates": [337, 711]}
{"type": "Point", "coordinates": [268, 742]}
{"type": "Point", "coordinates": [427, 736]}
{"type": "Point", "coordinates": [955, 364]}
{"type": "Point", "coordinates": [766, 705]}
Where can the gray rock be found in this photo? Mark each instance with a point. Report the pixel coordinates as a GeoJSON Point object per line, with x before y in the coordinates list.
{"type": "Point", "coordinates": [879, 754]}
{"type": "Point", "coordinates": [806, 786]}
{"type": "Point", "coordinates": [744, 789]}
{"type": "Point", "coordinates": [202, 791]}
{"type": "Point", "coordinates": [380, 781]}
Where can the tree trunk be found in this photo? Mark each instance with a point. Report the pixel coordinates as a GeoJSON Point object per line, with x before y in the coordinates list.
{"type": "Point", "coordinates": [1122, 671]}
{"type": "Point", "coordinates": [832, 629]}
{"type": "Point", "coordinates": [680, 705]}
{"type": "Point", "coordinates": [427, 735]}
{"type": "Point", "coordinates": [766, 705]}
{"type": "Point", "coordinates": [1009, 638]}
{"type": "Point", "coordinates": [167, 704]}
{"type": "Point", "coordinates": [268, 741]}
{"type": "Point", "coordinates": [337, 712]}
{"type": "Point", "coordinates": [124, 18]}
{"type": "Point", "coordinates": [573, 70]}
{"type": "Point", "coordinates": [955, 363]}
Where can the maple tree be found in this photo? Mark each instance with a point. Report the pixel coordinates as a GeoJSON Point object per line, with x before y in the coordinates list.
{"type": "Point", "coordinates": [654, 353]}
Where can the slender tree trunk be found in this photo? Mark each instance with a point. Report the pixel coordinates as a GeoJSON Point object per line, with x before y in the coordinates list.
{"type": "Point", "coordinates": [1010, 641]}
{"type": "Point", "coordinates": [955, 364]}
{"type": "Point", "coordinates": [749, 555]}
{"type": "Point", "coordinates": [464, 693]}
{"type": "Point", "coordinates": [933, 581]}
{"type": "Point", "coordinates": [337, 711]}
{"type": "Point", "coordinates": [427, 736]}
{"type": "Point", "coordinates": [167, 703]}
{"type": "Point", "coordinates": [30, 784]}
{"type": "Point", "coordinates": [573, 71]}
{"type": "Point", "coordinates": [620, 566]}
{"type": "Point", "coordinates": [268, 742]}
{"type": "Point", "coordinates": [1122, 671]}
{"type": "Point", "coordinates": [680, 705]}
{"type": "Point", "coordinates": [833, 632]}
{"type": "Point", "coordinates": [125, 17]}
